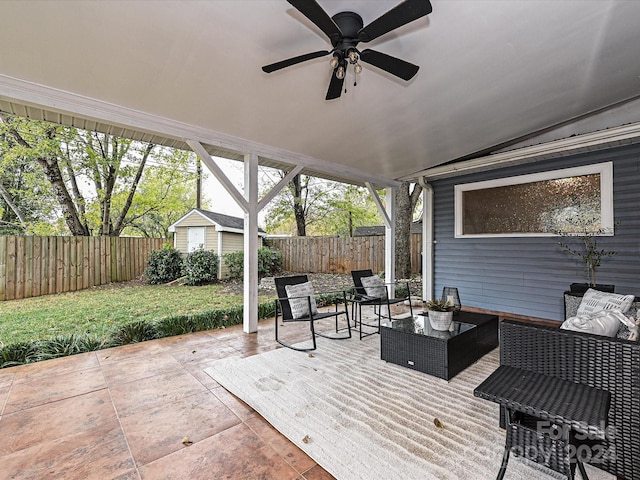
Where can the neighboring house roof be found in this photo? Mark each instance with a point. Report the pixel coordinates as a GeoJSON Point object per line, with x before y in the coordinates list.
{"type": "Point", "coordinates": [222, 222]}
{"type": "Point", "coordinates": [378, 230]}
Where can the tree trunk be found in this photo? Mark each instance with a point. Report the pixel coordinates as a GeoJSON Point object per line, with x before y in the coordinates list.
{"type": "Point", "coordinates": [406, 199]}
{"type": "Point", "coordinates": [120, 222]}
{"type": "Point", "coordinates": [52, 171]}
{"type": "Point", "coordinates": [298, 206]}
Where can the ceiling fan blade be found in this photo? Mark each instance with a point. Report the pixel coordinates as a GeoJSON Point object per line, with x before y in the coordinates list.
{"type": "Point", "coordinates": [315, 13]}
{"type": "Point", "coordinates": [393, 65]}
{"type": "Point", "coordinates": [292, 61]}
{"type": "Point", "coordinates": [400, 15]}
{"type": "Point", "coordinates": [335, 87]}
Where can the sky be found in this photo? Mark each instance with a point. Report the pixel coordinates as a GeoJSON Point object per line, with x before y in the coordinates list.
{"type": "Point", "coordinates": [219, 200]}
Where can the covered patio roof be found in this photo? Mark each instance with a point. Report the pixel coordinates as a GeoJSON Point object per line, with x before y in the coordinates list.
{"type": "Point", "coordinates": [493, 76]}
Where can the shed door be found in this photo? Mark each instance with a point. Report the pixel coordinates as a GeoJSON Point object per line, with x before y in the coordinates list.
{"type": "Point", "coordinates": [195, 238]}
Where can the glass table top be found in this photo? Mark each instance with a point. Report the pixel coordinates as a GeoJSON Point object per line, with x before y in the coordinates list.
{"type": "Point", "coordinates": [419, 325]}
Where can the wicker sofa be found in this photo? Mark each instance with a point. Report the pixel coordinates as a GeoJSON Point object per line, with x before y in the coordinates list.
{"type": "Point", "coordinates": [611, 364]}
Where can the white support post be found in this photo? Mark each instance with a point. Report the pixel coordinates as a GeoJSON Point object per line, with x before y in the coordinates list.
{"type": "Point", "coordinates": [250, 319]}
{"type": "Point", "coordinates": [390, 238]}
{"type": "Point", "coordinates": [427, 241]}
{"type": "Point", "coordinates": [250, 205]}
{"type": "Point", "coordinates": [388, 214]}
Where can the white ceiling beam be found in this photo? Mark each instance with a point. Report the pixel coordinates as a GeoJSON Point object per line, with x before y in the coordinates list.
{"type": "Point", "coordinates": [379, 204]}
{"type": "Point", "coordinates": [219, 174]}
{"type": "Point", "coordinates": [278, 187]}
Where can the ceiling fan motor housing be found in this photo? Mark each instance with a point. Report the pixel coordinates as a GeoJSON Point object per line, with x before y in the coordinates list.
{"type": "Point", "coordinates": [349, 23]}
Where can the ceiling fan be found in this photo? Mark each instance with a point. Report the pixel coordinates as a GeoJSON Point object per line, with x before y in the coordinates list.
{"type": "Point", "coordinates": [345, 31]}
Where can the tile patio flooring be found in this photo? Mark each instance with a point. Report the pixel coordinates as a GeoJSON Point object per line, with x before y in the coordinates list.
{"type": "Point", "coordinates": [122, 413]}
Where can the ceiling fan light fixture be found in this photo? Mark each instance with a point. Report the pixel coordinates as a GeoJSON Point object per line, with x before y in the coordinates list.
{"type": "Point", "coordinates": [345, 31]}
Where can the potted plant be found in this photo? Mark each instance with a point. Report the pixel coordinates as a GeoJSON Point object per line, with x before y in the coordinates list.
{"type": "Point", "coordinates": [591, 255]}
{"type": "Point", "coordinates": [440, 314]}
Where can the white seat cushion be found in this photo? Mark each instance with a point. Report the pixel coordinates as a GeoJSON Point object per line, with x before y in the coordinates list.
{"type": "Point", "coordinates": [299, 296]}
{"type": "Point", "coordinates": [603, 322]}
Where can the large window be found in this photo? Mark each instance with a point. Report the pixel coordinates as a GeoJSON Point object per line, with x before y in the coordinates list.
{"type": "Point", "coordinates": [573, 200]}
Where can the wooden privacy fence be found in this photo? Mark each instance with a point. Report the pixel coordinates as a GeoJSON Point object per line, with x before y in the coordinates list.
{"type": "Point", "coordinates": [339, 254]}
{"type": "Point", "coordinates": [34, 266]}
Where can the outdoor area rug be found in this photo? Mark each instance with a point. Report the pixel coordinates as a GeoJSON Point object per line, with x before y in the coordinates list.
{"type": "Point", "coordinates": [362, 418]}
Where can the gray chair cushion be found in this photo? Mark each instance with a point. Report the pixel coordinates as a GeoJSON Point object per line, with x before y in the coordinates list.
{"type": "Point", "coordinates": [374, 287]}
{"type": "Point", "coordinates": [299, 296]}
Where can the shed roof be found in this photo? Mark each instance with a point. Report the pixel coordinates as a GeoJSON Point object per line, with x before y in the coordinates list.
{"type": "Point", "coordinates": [221, 221]}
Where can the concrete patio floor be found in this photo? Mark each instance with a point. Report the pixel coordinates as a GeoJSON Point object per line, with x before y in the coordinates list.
{"type": "Point", "coordinates": [122, 413]}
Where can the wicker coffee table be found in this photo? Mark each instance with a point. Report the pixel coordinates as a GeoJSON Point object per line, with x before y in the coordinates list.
{"type": "Point", "coordinates": [412, 343]}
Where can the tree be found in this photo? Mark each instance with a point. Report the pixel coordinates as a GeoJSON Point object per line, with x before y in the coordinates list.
{"type": "Point", "coordinates": [350, 207]}
{"type": "Point", "coordinates": [312, 206]}
{"type": "Point", "coordinates": [164, 195]}
{"type": "Point", "coordinates": [93, 180]}
{"type": "Point", "coordinates": [303, 202]}
{"type": "Point", "coordinates": [406, 200]}
{"type": "Point", "coordinates": [27, 204]}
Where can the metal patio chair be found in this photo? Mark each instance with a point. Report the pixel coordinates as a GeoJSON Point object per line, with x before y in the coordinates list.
{"type": "Point", "coordinates": [377, 297]}
{"type": "Point", "coordinates": [296, 303]}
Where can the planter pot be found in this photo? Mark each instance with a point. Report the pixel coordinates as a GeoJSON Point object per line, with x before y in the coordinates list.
{"type": "Point", "coordinates": [580, 288]}
{"type": "Point", "coordinates": [440, 321]}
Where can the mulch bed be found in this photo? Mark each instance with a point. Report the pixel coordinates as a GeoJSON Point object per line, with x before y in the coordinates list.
{"type": "Point", "coordinates": [322, 282]}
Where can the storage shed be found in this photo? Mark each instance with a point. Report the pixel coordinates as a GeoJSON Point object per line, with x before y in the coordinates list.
{"type": "Point", "coordinates": [213, 231]}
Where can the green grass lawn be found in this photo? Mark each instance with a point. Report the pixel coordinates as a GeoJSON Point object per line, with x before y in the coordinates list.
{"type": "Point", "coordinates": [101, 310]}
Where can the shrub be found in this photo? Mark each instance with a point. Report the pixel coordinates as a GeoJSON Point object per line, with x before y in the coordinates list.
{"type": "Point", "coordinates": [135, 332]}
{"type": "Point", "coordinates": [17, 354]}
{"type": "Point", "coordinates": [27, 352]}
{"type": "Point", "coordinates": [201, 267]}
{"type": "Point", "coordinates": [269, 263]}
{"type": "Point", "coordinates": [60, 346]}
{"type": "Point", "coordinates": [235, 263]}
{"type": "Point", "coordinates": [164, 265]}
{"type": "Point", "coordinates": [266, 310]}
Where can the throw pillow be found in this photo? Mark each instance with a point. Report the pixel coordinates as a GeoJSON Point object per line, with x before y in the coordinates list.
{"type": "Point", "coordinates": [374, 286]}
{"type": "Point", "coordinates": [603, 322]}
{"type": "Point", "coordinates": [594, 301]}
{"type": "Point", "coordinates": [299, 296]}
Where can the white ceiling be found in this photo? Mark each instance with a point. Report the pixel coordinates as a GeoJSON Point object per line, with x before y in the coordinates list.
{"type": "Point", "coordinates": [490, 72]}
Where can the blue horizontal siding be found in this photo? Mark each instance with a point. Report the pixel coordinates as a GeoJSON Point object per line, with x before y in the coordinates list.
{"type": "Point", "coordinates": [528, 275]}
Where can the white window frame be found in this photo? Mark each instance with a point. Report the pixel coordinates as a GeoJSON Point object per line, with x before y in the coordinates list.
{"type": "Point", "coordinates": [605, 170]}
